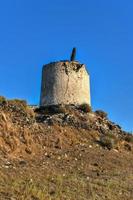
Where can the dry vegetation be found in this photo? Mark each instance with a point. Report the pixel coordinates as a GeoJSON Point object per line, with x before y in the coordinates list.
{"type": "Point", "coordinates": [62, 153]}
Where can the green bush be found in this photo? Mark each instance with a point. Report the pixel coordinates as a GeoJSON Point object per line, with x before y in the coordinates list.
{"type": "Point", "coordinates": [85, 108]}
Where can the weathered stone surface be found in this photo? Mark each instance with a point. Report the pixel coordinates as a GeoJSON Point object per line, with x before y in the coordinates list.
{"type": "Point", "coordinates": [65, 83]}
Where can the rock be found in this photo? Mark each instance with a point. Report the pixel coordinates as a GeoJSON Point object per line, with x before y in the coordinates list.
{"type": "Point", "coordinates": [128, 147]}
{"type": "Point", "coordinates": [28, 150]}
{"type": "Point", "coordinates": [22, 162]}
{"type": "Point", "coordinates": [52, 190]}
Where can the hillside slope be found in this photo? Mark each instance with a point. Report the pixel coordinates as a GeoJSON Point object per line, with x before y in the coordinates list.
{"type": "Point", "coordinates": [62, 153]}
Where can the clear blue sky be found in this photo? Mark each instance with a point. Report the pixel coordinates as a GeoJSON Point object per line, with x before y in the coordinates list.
{"type": "Point", "coordinates": [35, 32]}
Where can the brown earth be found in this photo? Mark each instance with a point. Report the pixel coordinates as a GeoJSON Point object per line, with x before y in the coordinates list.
{"type": "Point", "coordinates": [62, 153]}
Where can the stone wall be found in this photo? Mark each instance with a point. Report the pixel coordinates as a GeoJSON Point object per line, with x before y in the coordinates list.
{"type": "Point", "coordinates": [65, 83]}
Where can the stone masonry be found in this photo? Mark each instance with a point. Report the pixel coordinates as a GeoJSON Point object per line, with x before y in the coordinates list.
{"type": "Point", "coordinates": [66, 83]}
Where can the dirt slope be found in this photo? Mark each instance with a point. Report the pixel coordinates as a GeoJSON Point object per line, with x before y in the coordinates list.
{"type": "Point", "coordinates": [62, 153]}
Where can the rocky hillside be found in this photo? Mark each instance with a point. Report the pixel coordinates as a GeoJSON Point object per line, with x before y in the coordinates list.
{"type": "Point", "coordinates": [62, 153]}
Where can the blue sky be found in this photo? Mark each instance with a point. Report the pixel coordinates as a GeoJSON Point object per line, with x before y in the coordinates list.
{"type": "Point", "coordinates": [35, 32]}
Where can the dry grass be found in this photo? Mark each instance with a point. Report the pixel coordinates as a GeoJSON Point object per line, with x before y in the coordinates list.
{"type": "Point", "coordinates": [57, 186]}
{"type": "Point", "coordinates": [39, 161]}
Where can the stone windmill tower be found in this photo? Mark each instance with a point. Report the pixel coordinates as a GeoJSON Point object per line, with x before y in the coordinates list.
{"type": "Point", "coordinates": [65, 82]}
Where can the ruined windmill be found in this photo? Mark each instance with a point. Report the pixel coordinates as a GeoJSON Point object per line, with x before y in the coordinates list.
{"type": "Point", "coordinates": [65, 82]}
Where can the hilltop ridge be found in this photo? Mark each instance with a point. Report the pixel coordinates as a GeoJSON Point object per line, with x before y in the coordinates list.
{"type": "Point", "coordinates": [63, 152]}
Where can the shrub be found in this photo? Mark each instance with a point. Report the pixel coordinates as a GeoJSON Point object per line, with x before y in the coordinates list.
{"type": "Point", "coordinates": [18, 102]}
{"type": "Point", "coordinates": [85, 108]}
{"type": "Point", "coordinates": [52, 109]}
{"type": "Point", "coordinates": [129, 138]}
{"type": "Point", "coordinates": [58, 109]}
{"type": "Point", "coordinates": [101, 113]}
{"type": "Point", "coordinates": [109, 141]}
{"type": "Point", "coordinates": [2, 100]}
